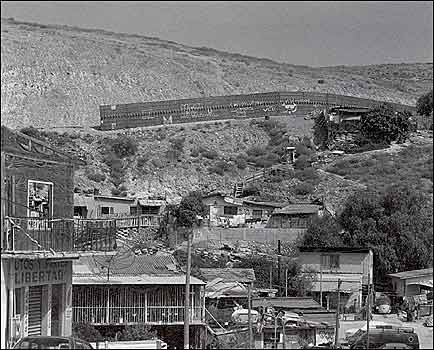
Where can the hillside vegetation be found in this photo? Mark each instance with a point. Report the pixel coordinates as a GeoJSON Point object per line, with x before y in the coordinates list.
{"type": "Point", "coordinates": [56, 76]}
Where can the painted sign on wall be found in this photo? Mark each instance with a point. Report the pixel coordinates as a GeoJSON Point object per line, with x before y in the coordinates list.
{"type": "Point", "coordinates": [36, 272]}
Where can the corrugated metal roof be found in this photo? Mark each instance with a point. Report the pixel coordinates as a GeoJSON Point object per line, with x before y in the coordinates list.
{"type": "Point", "coordinates": [412, 273]}
{"type": "Point", "coordinates": [130, 265]}
{"type": "Point", "coordinates": [135, 280]}
{"type": "Point", "coordinates": [299, 209]}
{"type": "Point", "coordinates": [141, 269]}
{"type": "Point", "coordinates": [228, 274]}
{"type": "Point", "coordinates": [287, 303]}
{"type": "Point", "coordinates": [266, 204]}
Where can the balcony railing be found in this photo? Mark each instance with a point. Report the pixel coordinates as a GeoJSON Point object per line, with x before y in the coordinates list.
{"type": "Point", "coordinates": [138, 221]}
{"type": "Point", "coordinates": [135, 314]}
{"type": "Point", "coordinates": [58, 235]}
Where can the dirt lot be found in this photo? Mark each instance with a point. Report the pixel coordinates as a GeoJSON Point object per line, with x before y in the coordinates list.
{"type": "Point", "coordinates": [425, 333]}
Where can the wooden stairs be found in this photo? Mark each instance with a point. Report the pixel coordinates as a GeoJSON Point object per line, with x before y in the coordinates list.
{"type": "Point", "coordinates": [239, 186]}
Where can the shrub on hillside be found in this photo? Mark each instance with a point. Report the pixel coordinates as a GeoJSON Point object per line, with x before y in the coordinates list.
{"type": "Point", "coordinates": [142, 160]}
{"type": "Point", "coordinates": [220, 167]}
{"type": "Point", "coordinates": [304, 188]}
{"type": "Point", "coordinates": [302, 162]}
{"type": "Point", "coordinates": [256, 151]}
{"type": "Point", "coordinates": [123, 146]}
{"type": "Point", "coordinates": [33, 132]}
{"type": "Point", "coordinates": [241, 163]}
{"type": "Point", "coordinates": [308, 173]}
{"type": "Point", "coordinates": [97, 177]}
{"type": "Point", "coordinates": [210, 154]}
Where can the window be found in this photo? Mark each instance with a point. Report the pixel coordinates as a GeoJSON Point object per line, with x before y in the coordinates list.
{"type": "Point", "coordinates": [227, 210]}
{"type": "Point", "coordinates": [330, 261]}
{"type": "Point", "coordinates": [40, 203]}
{"type": "Point", "coordinates": [257, 213]}
{"type": "Point", "coordinates": [107, 210]}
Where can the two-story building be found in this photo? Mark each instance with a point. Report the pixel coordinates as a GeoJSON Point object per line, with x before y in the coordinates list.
{"type": "Point", "coordinates": [352, 266]}
{"type": "Point", "coordinates": [39, 238]}
{"type": "Point", "coordinates": [129, 289]}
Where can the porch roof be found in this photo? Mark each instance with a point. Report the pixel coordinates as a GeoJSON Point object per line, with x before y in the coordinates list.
{"type": "Point", "coordinates": [298, 209]}
{"type": "Point", "coordinates": [101, 279]}
{"type": "Point", "coordinates": [413, 273]}
{"type": "Point", "coordinates": [228, 274]}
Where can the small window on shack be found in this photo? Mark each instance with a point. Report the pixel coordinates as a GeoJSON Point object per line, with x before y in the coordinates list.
{"type": "Point", "coordinates": [230, 210]}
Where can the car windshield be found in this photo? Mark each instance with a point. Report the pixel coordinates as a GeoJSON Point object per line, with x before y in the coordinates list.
{"type": "Point", "coordinates": [43, 343]}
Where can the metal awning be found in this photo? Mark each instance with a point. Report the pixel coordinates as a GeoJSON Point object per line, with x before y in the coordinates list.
{"type": "Point", "coordinates": [426, 283]}
{"type": "Point", "coordinates": [150, 202]}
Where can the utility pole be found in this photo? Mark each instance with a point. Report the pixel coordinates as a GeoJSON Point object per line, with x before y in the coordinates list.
{"type": "Point", "coordinates": [271, 275]}
{"type": "Point", "coordinates": [187, 294]}
{"type": "Point", "coordinates": [286, 282]}
{"type": "Point", "coordinates": [279, 262]}
{"type": "Point", "coordinates": [337, 314]}
{"type": "Point", "coordinates": [368, 308]}
{"type": "Point", "coordinates": [250, 315]}
{"type": "Point", "coordinates": [320, 280]}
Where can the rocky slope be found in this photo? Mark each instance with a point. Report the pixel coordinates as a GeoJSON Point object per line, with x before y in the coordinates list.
{"type": "Point", "coordinates": [56, 76]}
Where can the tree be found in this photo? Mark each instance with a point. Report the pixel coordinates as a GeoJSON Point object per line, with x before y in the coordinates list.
{"type": "Point", "coordinates": [396, 225]}
{"type": "Point", "coordinates": [424, 104]}
{"type": "Point", "coordinates": [322, 232]}
{"type": "Point", "coordinates": [190, 207]}
{"type": "Point", "coordinates": [384, 125]}
{"type": "Point", "coordinates": [299, 282]}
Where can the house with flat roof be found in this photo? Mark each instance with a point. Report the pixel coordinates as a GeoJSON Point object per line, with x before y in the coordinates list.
{"type": "Point", "coordinates": [414, 282]}
{"type": "Point", "coordinates": [353, 266]}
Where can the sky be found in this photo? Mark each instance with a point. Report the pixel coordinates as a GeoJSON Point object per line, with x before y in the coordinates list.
{"type": "Point", "coordinates": [322, 33]}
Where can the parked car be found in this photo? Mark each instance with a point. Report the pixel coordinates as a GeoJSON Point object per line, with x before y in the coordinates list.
{"type": "Point", "coordinates": [381, 337]}
{"type": "Point", "coordinates": [51, 342]}
{"type": "Point", "coordinates": [373, 324]}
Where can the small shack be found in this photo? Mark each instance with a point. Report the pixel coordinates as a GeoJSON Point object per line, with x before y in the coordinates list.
{"type": "Point", "coordinates": [294, 216]}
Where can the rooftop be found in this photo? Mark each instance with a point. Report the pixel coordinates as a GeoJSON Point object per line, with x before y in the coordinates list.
{"type": "Point", "coordinates": [412, 273]}
{"type": "Point", "coordinates": [228, 274]}
{"type": "Point", "coordinates": [287, 303]}
{"type": "Point", "coordinates": [299, 209]}
{"type": "Point", "coordinates": [334, 249]}
{"type": "Point", "coordinates": [128, 268]}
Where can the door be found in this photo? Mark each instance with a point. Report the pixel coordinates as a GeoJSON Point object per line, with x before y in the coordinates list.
{"type": "Point", "coordinates": [35, 312]}
{"type": "Point", "coordinates": [56, 309]}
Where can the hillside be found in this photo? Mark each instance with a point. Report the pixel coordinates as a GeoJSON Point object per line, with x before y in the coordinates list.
{"type": "Point", "coordinates": [56, 76]}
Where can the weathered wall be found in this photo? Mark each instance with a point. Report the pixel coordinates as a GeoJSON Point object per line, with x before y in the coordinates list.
{"type": "Point", "coordinates": [246, 234]}
{"type": "Point", "coordinates": [258, 105]}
